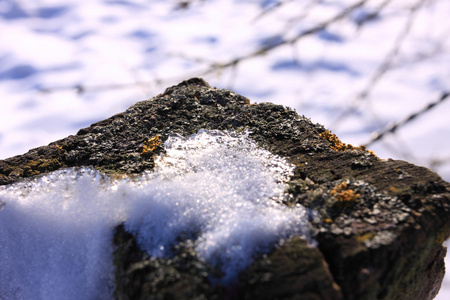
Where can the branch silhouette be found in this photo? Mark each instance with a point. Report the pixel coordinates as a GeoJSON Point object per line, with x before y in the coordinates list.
{"type": "Point", "coordinates": [394, 127]}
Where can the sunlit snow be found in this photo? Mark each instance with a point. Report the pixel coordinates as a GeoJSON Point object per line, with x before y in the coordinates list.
{"type": "Point", "coordinates": [220, 188]}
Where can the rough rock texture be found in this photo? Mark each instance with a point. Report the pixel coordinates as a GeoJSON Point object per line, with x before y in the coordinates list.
{"type": "Point", "coordinates": [379, 224]}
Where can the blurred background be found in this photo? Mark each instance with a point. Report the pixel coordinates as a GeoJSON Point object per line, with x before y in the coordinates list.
{"type": "Point", "coordinates": [374, 72]}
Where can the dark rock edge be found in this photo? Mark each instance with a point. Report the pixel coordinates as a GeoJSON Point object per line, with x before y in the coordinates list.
{"type": "Point", "coordinates": [379, 228]}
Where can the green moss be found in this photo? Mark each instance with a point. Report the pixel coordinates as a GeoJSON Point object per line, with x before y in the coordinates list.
{"type": "Point", "coordinates": [36, 167]}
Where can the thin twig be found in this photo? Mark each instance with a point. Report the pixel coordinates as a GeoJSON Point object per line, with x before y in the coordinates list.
{"type": "Point", "coordinates": [389, 59]}
{"type": "Point", "coordinates": [435, 163]}
{"type": "Point", "coordinates": [263, 50]}
{"type": "Point", "coordinates": [269, 10]}
{"type": "Point", "coordinates": [394, 127]}
{"type": "Point", "coordinates": [373, 15]}
{"type": "Point", "coordinates": [214, 67]}
{"type": "Point", "coordinates": [83, 89]}
{"type": "Point", "coordinates": [384, 66]}
{"type": "Point", "coordinates": [306, 10]}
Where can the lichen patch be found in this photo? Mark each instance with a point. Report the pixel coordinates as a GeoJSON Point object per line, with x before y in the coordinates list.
{"type": "Point", "coordinates": [150, 145]}
{"type": "Point", "coordinates": [337, 145]}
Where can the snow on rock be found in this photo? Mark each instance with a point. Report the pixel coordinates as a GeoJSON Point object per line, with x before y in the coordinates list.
{"type": "Point", "coordinates": [56, 230]}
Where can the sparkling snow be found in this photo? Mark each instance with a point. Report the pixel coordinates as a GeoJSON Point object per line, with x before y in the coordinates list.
{"type": "Point", "coordinates": [56, 231]}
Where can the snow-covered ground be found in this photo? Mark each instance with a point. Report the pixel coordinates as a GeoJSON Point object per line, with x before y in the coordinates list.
{"type": "Point", "coordinates": [66, 64]}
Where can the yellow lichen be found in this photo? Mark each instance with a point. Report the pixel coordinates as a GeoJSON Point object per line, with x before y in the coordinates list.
{"type": "Point", "coordinates": [35, 167]}
{"type": "Point", "coordinates": [366, 236]}
{"type": "Point", "coordinates": [337, 145]}
{"type": "Point", "coordinates": [442, 236]}
{"type": "Point", "coordinates": [327, 220]}
{"type": "Point", "coordinates": [343, 194]}
{"type": "Point", "coordinates": [118, 176]}
{"type": "Point", "coordinates": [394, 189]}
{"type": "Point", "coordinates": [150, 145]}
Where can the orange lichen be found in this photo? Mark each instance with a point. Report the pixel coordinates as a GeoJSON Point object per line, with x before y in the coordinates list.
{"type": "Point", "coordinates": [118, 176]}
{"type": "Point", "coordinates": [343, 194]}
{"type": "Point", "coordinates": [394, 189]}
{"type": "Point", "coordinates": [337, 145]}
{"type": "Point", "coordinates": [327, 220]}
{"type": "Point", "coordinates": [366, 236]}
{"type": "Point", "coordinates": [150, 145]}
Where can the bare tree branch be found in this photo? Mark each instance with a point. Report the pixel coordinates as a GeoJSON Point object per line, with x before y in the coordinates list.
{"type": "Point", "coordinates": [214, 67]}
{"type": "Point", "coordinates": [435, 163]}
{"type": "Point", "coordinates": [394, 127]}
{"type": "Point", "coordinates": [282, 42]}
{"type": "Point", "coordinates": [391, 56]}
{"type": "Point", "coordinates": [303, 14]}
{"type": "Point", "coordinates": [372, 15]}
{"type": "Point", "coordinates": [385, 65]}
{"type": "Point", "coordinates": [270, 9]}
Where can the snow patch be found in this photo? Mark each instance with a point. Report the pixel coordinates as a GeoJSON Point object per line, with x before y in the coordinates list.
{"type": "Point", "coordinates": [217, 187]}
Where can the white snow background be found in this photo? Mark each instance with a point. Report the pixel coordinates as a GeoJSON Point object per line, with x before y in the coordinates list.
{"type": "Point", "coordinates": [67, 64]}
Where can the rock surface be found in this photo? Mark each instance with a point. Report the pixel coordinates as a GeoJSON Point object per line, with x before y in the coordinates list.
{"type": "Point", "coordinates": [379, 225]}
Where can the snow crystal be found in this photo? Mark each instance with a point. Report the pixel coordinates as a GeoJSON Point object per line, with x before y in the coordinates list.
{"type": "Point", "coordinates": [219, 188]}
